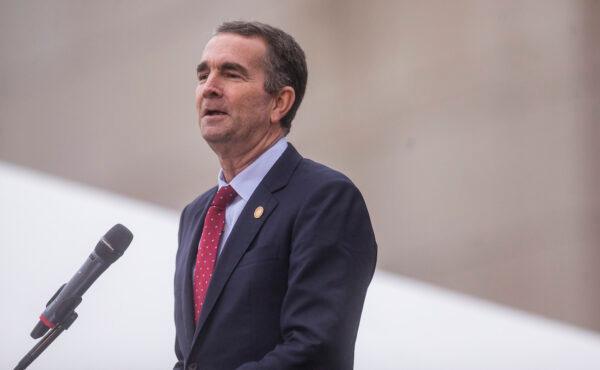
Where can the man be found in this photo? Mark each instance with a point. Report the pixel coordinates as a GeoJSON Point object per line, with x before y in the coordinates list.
{"type": "Point", "coordinates": [273, 264]}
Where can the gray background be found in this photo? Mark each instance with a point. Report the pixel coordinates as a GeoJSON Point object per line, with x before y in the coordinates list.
{"type": "Point", "coordinates": [471, 127]}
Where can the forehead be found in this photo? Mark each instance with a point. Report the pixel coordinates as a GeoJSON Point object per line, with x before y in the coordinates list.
{"type": "Point", "coordinates": [227, 47]}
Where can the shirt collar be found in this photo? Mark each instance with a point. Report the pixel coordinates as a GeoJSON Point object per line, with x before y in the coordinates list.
{"type": "Point", "coordinates": [246, 181]}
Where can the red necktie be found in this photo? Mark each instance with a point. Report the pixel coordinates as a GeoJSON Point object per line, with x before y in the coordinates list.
{"type": "Point", "coordinates": [209, 245]}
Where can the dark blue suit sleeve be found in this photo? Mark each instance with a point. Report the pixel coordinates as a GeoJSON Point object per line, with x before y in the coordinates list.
{"type": "Point", "coordinates": [179, 364]}
{"type": "Point", "coordinates": [331, 263]}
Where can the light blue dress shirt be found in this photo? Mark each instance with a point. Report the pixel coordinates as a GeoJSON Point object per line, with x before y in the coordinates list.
{"type": "Point", "coordinates": [246, 182]}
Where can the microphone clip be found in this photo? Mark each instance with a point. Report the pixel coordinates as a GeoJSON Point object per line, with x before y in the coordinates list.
{"type": "Point", "coordinates": [64, 312]}
{"type": "Point", "coordinates": [66, 315]}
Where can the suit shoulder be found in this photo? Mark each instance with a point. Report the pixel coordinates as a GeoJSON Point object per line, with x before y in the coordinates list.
{"type": "Point", "coordinates": [316, 175]}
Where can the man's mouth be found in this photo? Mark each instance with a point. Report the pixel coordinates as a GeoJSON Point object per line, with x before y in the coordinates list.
{"type": "Point", "coordinates": [214, 112]}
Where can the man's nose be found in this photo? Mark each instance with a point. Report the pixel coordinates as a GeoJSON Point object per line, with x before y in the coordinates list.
{"type": "Point", "coordinates": [212, 87]}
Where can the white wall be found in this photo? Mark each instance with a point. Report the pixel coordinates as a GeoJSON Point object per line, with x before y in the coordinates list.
{"type": "Point", "coordinates": [49, 226]}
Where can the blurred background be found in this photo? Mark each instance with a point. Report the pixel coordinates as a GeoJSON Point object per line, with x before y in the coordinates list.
{"type": "Point", "coordinates": [471, 127]}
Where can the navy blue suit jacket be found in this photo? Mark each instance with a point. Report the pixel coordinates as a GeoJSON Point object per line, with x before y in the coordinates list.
{"type": "Point", "coordinates": [289, 286]}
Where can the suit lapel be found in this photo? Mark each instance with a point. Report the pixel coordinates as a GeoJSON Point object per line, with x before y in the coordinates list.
{"type": "Point", "coordinates": [244, 231]}
{"type": "Point", "coordinates": [192, 249]}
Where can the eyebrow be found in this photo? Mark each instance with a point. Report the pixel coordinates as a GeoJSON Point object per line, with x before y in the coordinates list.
{"type": "Point", "coordinates": [226, 66]}
{"type": "Point", "coordinates": [230, 66]}
{"type": "Point", "coordinates": [201, 67]}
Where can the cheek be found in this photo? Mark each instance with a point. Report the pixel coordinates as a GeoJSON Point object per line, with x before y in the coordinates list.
{"type": "Point", "coordinates": [257, 105]}
{"type": "Point", "coordinates": [198, 95]}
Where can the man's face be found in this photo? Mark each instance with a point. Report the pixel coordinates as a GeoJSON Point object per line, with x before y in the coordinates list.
{"type": "Point", "coordinates": [233, 107]}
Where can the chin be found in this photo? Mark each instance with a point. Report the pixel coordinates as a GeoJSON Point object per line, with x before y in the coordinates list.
{"type": "Point", "coordinates": [216, 137]}
{"type": "Point", "coordinates": [210, 131]}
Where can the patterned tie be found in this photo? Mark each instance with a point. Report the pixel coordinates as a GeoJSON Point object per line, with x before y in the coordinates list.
{"type": "Point", "coordinates": [209, 245]}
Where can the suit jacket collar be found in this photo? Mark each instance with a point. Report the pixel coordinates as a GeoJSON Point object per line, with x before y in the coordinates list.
{"type": "Point", "coordinates": [244, 231]}
{"type": "Point", "coordinates": [282, 170]}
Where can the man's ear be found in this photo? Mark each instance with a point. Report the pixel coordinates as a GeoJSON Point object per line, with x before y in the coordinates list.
{"type": "Point", "coordinates": [283, 103]}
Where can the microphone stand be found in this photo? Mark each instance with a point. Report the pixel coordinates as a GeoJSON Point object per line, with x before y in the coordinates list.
{"type": "Point", "coordinates": [45, 342]}
{"type": "Point", "coordinates": [67, 315]}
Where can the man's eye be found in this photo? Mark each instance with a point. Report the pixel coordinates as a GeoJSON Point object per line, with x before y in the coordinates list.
{"type": "Point", "coordinates": [232, 75]}
{"type": "Point", "coordinates": [202, 76]}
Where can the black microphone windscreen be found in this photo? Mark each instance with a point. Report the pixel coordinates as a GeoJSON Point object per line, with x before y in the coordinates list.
{"type": "Point", "coordinates": [114, 243]}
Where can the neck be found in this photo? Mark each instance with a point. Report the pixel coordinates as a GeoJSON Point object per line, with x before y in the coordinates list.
{"type": "Point", "coordinates": [232, 163]}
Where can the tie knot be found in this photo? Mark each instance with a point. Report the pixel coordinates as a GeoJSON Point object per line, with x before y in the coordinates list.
{"type": "Point", "coordinates": [224, 197]}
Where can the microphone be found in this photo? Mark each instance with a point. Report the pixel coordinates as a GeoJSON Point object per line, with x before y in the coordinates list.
{"type": "Point", "coordinates": [61, 306]}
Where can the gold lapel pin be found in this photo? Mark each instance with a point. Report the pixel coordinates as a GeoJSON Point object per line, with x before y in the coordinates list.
{"type": "Point", "coordinates": [258, 212]}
